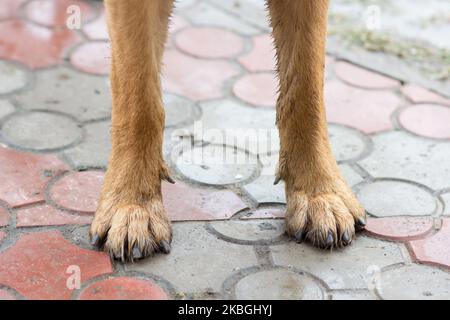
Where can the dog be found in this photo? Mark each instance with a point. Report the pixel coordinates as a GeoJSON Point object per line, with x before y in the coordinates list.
{"type": "Point", "coordinates": [130, 221]}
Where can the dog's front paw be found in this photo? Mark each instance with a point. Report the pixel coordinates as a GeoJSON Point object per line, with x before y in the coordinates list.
{"type": "Point", "coordinates": [131, 232]}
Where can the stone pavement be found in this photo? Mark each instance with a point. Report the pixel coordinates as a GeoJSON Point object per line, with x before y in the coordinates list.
{"type": "Point", "coordinates": [391, 139]}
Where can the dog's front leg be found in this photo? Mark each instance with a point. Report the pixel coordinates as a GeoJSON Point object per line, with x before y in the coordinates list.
{"type": "Point", "coordinates": [130, 220]}
{"type": "Point", "coordinates": [320, 205]}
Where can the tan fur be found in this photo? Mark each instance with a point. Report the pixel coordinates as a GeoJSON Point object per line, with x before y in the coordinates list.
{"type": "Point", "coordinates": [130, 214]}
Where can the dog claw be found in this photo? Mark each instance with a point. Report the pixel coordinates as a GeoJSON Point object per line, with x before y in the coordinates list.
{"type": "Point", "coordinates": [361, 222]}
{"type": "Point", "coordinates": [346, 238]}
{"type": "Point", "coordinates": [165, 247]}
{"type": "Point", "coordinates": [136, 252]}
{"type": "Point", "coordinates": [277, 179]}
{"type": "Point", "coordinates": [330, 239]}
{"type": "Point", "coordinates": [170, 180]}
{"type": "Point", "coordinates": [95, 240]}
{"type": "Point", "coordinates": [299, 236]}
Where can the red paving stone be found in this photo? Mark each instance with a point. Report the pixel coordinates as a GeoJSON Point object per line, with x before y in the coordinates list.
{"type": "Point", "coordinates": [418, 94]}
{"type": "Point", "coordinates": [45, 215]}
{"type": "Point", "coordinates": [78, 191]}
{"type": "Point", "coordinates": [209, 42]}
{"type": "Point", "coordinates": [259, 89]}
{"type": "Point", "coordinates": [434, 249]}
{"type": "Point", "coordinates": [364, 78]}
{"type": "Point", "coordinates": [4, 217]}
{"type": "Point", "coordinates": [9, 8]}
{"type": "Point", "coordinates": [427, 120]}
{"type": "Point", "coordinates": [92, 57]}
{"type": "Point", "coordinates": [399, 228]}
{"type": "Point", "coordinates": [194, 78]}
{"type": "Point", "coordinates": [123, 288]}
{"type": "Point", "coordinates": [36, 266]}
{"type": "Point", "coordinates": [97, 29]}
{"type": "Point", "coordinates": [5, 295]}
{"type": "Point", "coordinates": [183, 203]}
{"type": "Point", "coordinates": [262, 55]}
{"type": "Point", "coordinates": [367, 110]}
{"type": "Point", "coordinates": [24, 175]}
{"type": "Point", "coordinates": [34, 46]}
{"type": "Point", "coordinates": [52, 13]}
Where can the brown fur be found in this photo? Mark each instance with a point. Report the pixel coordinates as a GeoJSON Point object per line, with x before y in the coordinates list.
{"type": "Point", "coordinates": [131, 216]}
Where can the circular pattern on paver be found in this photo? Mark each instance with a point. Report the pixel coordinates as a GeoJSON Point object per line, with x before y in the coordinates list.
{"type": "Point", "coordinates": [92, 57]}
{"type": "Point", "coordinates": [414, 282]}
{"type": "Point", "coordinates": [399, 228]}
{"type": "Point", "coordinates": [217, 164]}
{"type": "Point", "coordinates": [123, 288]}
{"type": "Point", "coordinates": [385, 198]}
{"type": "Point", "coordinates": [12, 78]}
{"type": "Point", "coordinates": [78, 191]}
{"type": "Point", "coordinates": [258, 89]}
{"type": "Point", "coordinates": [253, 231]}
{"type": "Point", "coordinates": [265, 212]}
{"type": "Point", "coordinates": [347, 144]}
{"type": "Point", "coordinates": [207, 42]}
{"type": "Point", "coordinates": [40, 131]}
{"type": "Point", "coordinates": [178, 110]}
{"type": "Point", "coordinates": [427, 120]}
{"type": "Point", "coordinates": [278, 284]}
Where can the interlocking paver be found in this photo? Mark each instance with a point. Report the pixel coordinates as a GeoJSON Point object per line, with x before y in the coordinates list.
{"type": "Point", "coordinates": [418, 94]}
{"type": "Point", "coordinates": [178, 110]}
{"type": "Point", "coordinates": [399, 228]}
{"type": "Point", "coordinates": [45, 215]}
{"type": "Point", "coordinates": [446, 198]}
{"type": "Point", "coordinates": [400, 155]}
{"type": "Point", "coordinates": [97, 29]}
{"type": "Point", "coordinates": [61, 89]}
{"type": "Point", "coordinates": [264, 213]}
{"type": "Point", "coordinates": [262, 56]}
{"type": "Point", "coordinates": [123, 288]}
{"type": "Point", "coordinates": [350, 175]}
{"type": "Point", "coordinates": [263, 190]}
{"type": "Point", "coordinates": [37, 266]}
{"type": "Point", "coordinates": [6, 108]}
{"type": "Point", "coordinates": [255, 230]}
{"type": "Point", "coordinates": [347, 143]}
{"type": "Point", "coordinates": [12, 77]}
{"type": "Point", "coordinates": [4, 217]}
{"type": "Point", "coordinates": [258, 89]}
{"type": "Point", "coordinates": [92, 57]}
{"type": "Point", "coordinates": [427, 120]}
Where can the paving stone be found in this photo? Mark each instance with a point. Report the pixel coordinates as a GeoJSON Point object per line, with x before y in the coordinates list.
{"type": "Point", "coordinates": [178, 110]}
{"type": "Point", "coordinates": [45, 215]}
{"type": "Point", "coordinates": [217, 164]}
{"type": "Point", "coordinates": [177, 23]}
{"type": "Point", "coordinates": [342, 268]}
{"type": "Point", "coordinates": [418, 94]}
{"type": "Point", "coordinates": [265, 213]}
{"type": "Point", "coordinates": [97, 29]}
{"type": "Point", "coordinates": [415, 282]}
{"type": "Point", "coordinates": [33, 45]}
{"type": "Point", "coordinates": [264, 191]}
{"type": "Point", "coordinates": [258, 89]}
{"type": "Point", "coordinates": [183, 202]}
{"type": "Point", "coordinates": [9, 8]}
{"type": "Point", "coordinates": [94, 150]}
{"type": "Point", "coordinates": [193, 246]}
{"type": "Point", "coordinates": [37, 265]}
{"type": "Point", "coordinates": [194, 78]}
{"type": "Point", "coordinates": [202, 42]}
{"type": "Point", "coordinates": [6, 108]}
{"type": "Point", "coordinates": [4, 217]}
{"type": "Point", "coordinates": [92, 57]}
{"type": "Point", "coordinates": [400, 155]}
{"type": "Point", "coordinates": [252, 230]}
{"type": "Point", "coordinates": [204, 14]}
{"type": "Point", "coordinates": [396, 198]}
{"type": "Point", "coordinates": [350, 175]}
{"type": "Point", "coordinates": [61, 89]}
{"type": "Point", "coordinates": [123, 288]}
{"type": "Point", "coordinates": [446, 198]}
{"type": "Point", "coordinates": [364, 78]}
{"type": "Point", "coordinates": [55, 13]}
{"type": "Point", "coordinates": [278, 285]}
{"type": "Point", "coordinates": [347, 143]}
{"type": "Point", "coordinates": [5, 295]}
{"type": "Point", "coordinates": [78, 191]}
{"type": "Point", "coordinates": [366, 110]}
{"type": "Point", "coordinates": [41, 131]}
{"type": "Point", "coordinates": [399, 228]}
{"type": "Point", "coordinates": [434, 249]}
{"type": "Point", "coordinates": [352, 295]}
{"type": "Point", "coordinates": [262, 55]}
{"type": "Point", "coordinates": [2, 236]}
{"type": "Point", "coordinates": [25, 175]}
{"type": "Point", "coordinates": [12, 77]}
{"type": "Point", "coordinates": [182, 5]}
{"type": "Point", "coordinates": [427, 120]}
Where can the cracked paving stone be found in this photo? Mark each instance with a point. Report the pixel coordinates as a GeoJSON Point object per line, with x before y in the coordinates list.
{"type": "Point", "coordinates": [403, 156]}
{"type": "Point", "coordinates": [83, 96]}
{"type": "Point", "coordinates": [278, 284]}
{"type": "Point", "coordinates": [193, 246]}
{"type": "Point", "coordinates": [396, 198]}
{"type": "Point", "coordinates": [346, 143]}
{"type": "Point", "coordinates": [340, 268]}
{"type": "Point", "coordinates": [178, 110]}
{"type": "Point", "coordinates": [253, 230]}
{"type": "Point", "coordinates": [12, 77]}
{"type": "Point", "coordinates": [40, 131]}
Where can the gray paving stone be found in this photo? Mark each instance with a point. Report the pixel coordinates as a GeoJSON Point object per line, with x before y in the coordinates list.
{"type": "Point", "coordinates": [199, 261]}
{"type": "Point", "coordinates": [350, 175]}
{"type": "Point", "coordinates": [415, 282]}
{"type": "Point", "coordinates": [6, 108]}
{"type": "Point", "coordinates": [40, 131]}
{"type": "Point", "coordinates": [278, 284]}
{"type": "Point", "coordinates": [178, 110]}
{"type": "Point", "coordinates": [347, 144]}
{"type": "Point", "coordinates": [395, 198]}
{"type": "Point", "coordinates": [181, 5]}
{"type": "Point", "coordinates": [95, 148]}
{"type": "Point", "coordinates": [205, 14]}
{"type": "Point", "coordinates": [264, 191]}
{"type": "Point", "coordinates": [352, 295]}
{"type": "Point", "coordinates": [446, 198]}
{"type": "Point", "coordinates": [250, 230]}
{"type": "Point", "coordinates": [217, 165]}
{"type": "Point", "coordinates": [401, 155]}
{"type": "Point", "coordinates": [12, 77]}
{"type": "Point", "coordinates": [342, 268]}
{"type": "Point", "coordinates": [61, 89]}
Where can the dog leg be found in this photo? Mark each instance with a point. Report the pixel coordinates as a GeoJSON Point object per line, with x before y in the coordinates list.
{"type": "Point", "coordinates": [320, 205]}
{"type": "Point", "coordinates": [130, 220]}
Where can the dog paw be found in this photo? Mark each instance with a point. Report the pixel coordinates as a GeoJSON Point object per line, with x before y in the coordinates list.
{"type": "Point", "coordinates": [131, 232]}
